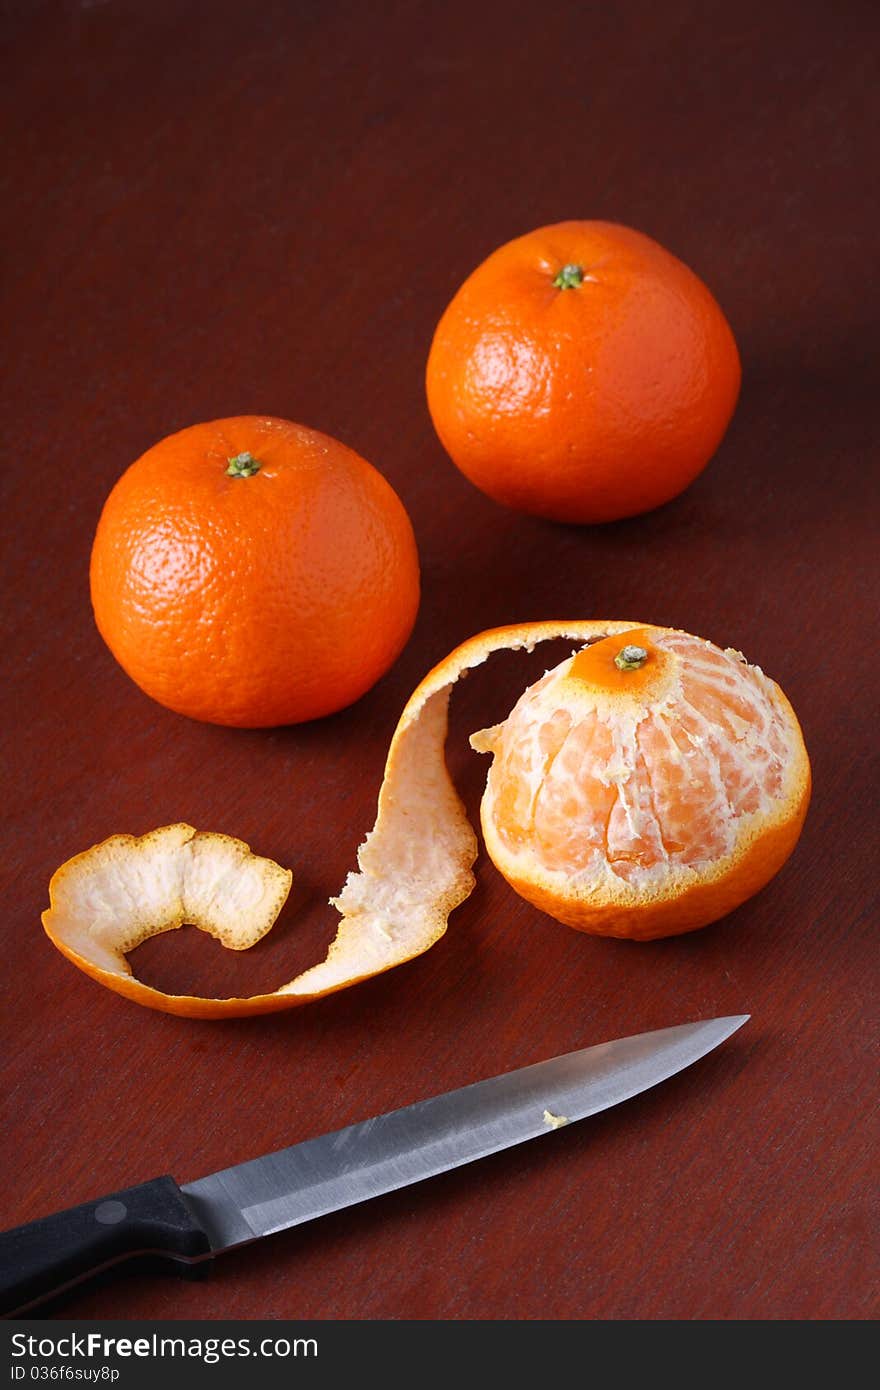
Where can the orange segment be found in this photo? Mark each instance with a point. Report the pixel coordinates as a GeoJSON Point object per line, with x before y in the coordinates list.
{"type": "Point", "coordinates": [574, 802]}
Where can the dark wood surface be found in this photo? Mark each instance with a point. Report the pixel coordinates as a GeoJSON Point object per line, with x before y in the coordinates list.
{"type": "Point", "coordinates": [264, 207]}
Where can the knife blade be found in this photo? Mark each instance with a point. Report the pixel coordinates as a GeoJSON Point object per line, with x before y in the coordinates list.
{"type": "Point", "coordinates": [198, 1220]}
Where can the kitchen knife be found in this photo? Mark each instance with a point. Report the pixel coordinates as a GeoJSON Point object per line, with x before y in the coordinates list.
{"type": "Point", "coordinates": [192, 1223]}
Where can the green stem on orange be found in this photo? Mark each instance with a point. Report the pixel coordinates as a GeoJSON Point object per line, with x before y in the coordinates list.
{"type": "Point", "coordinates": [243, 466]}
{"type": "Point", "coordinates": [569, 277]}
{"type": "Point", "coordinates": [630, 658]}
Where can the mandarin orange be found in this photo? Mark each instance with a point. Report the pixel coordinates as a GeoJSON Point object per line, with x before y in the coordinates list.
{"type": "Point", "coordinates": [582, 373]}
{"type": "Point", "coordinates": [645, 786]}
{"type": "Point", "coordinates": [253, 572]}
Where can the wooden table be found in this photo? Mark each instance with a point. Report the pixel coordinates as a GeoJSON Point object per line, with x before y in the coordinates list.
{"type": "Point", "coordinates": [264, 207]}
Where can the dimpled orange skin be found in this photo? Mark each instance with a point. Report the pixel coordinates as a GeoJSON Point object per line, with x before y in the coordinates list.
{"type": "Point", "coordinates": [587, 403]}
{"type": "Point", "coordinates": [254, 600]}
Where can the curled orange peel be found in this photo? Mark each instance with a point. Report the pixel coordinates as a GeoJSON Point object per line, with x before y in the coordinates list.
{"type": "Point", "coordinates": [413, 868]}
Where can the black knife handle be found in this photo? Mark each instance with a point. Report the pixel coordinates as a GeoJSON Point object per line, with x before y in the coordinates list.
{"type": "Point", "coordinates": [47, 1256]}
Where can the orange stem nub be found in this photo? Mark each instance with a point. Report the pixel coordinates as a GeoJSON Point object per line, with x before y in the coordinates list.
{"type": "Point", "coordinates": [243, 466]}
{"type": "Point", "coordinates": [624, 662]}
{"type": "Point", "coordinates": [569, 277]}
{"type": "Point", "coordinates": [630, 658]}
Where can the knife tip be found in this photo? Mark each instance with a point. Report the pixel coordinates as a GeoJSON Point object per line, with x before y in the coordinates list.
{"type": "Point", "coordinates": [734, 1021]}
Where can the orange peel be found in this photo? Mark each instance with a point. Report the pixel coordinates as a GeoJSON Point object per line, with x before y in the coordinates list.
{"type": "Point", "coordinates": [414, 867]}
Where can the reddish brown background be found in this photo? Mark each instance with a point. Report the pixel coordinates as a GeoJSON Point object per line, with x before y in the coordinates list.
{"type": "Point", "coordinates": [264, 207]}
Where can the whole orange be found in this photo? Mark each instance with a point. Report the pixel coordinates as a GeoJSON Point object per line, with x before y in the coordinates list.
{"type": "Point", "coordinates": [582, 373]}
{"type": "Point", "coordinates": [252, 572]}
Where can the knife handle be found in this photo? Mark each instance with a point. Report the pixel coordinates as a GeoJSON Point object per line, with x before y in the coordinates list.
{"type": "Point", "coordinates": [49, 1255]}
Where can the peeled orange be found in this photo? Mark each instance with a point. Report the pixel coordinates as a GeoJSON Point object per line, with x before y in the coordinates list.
{"type": "Point", "coordinates": [646, 786]}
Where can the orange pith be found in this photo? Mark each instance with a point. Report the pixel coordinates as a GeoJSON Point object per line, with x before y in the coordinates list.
{"type": "Point", "coordinates": [647, 802]}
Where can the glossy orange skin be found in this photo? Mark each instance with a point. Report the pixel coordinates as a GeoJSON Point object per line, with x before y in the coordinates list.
{"type": "Point", "coordinates": [254, 601]}
{"type": "Point", "coordinates": [590, 403]}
